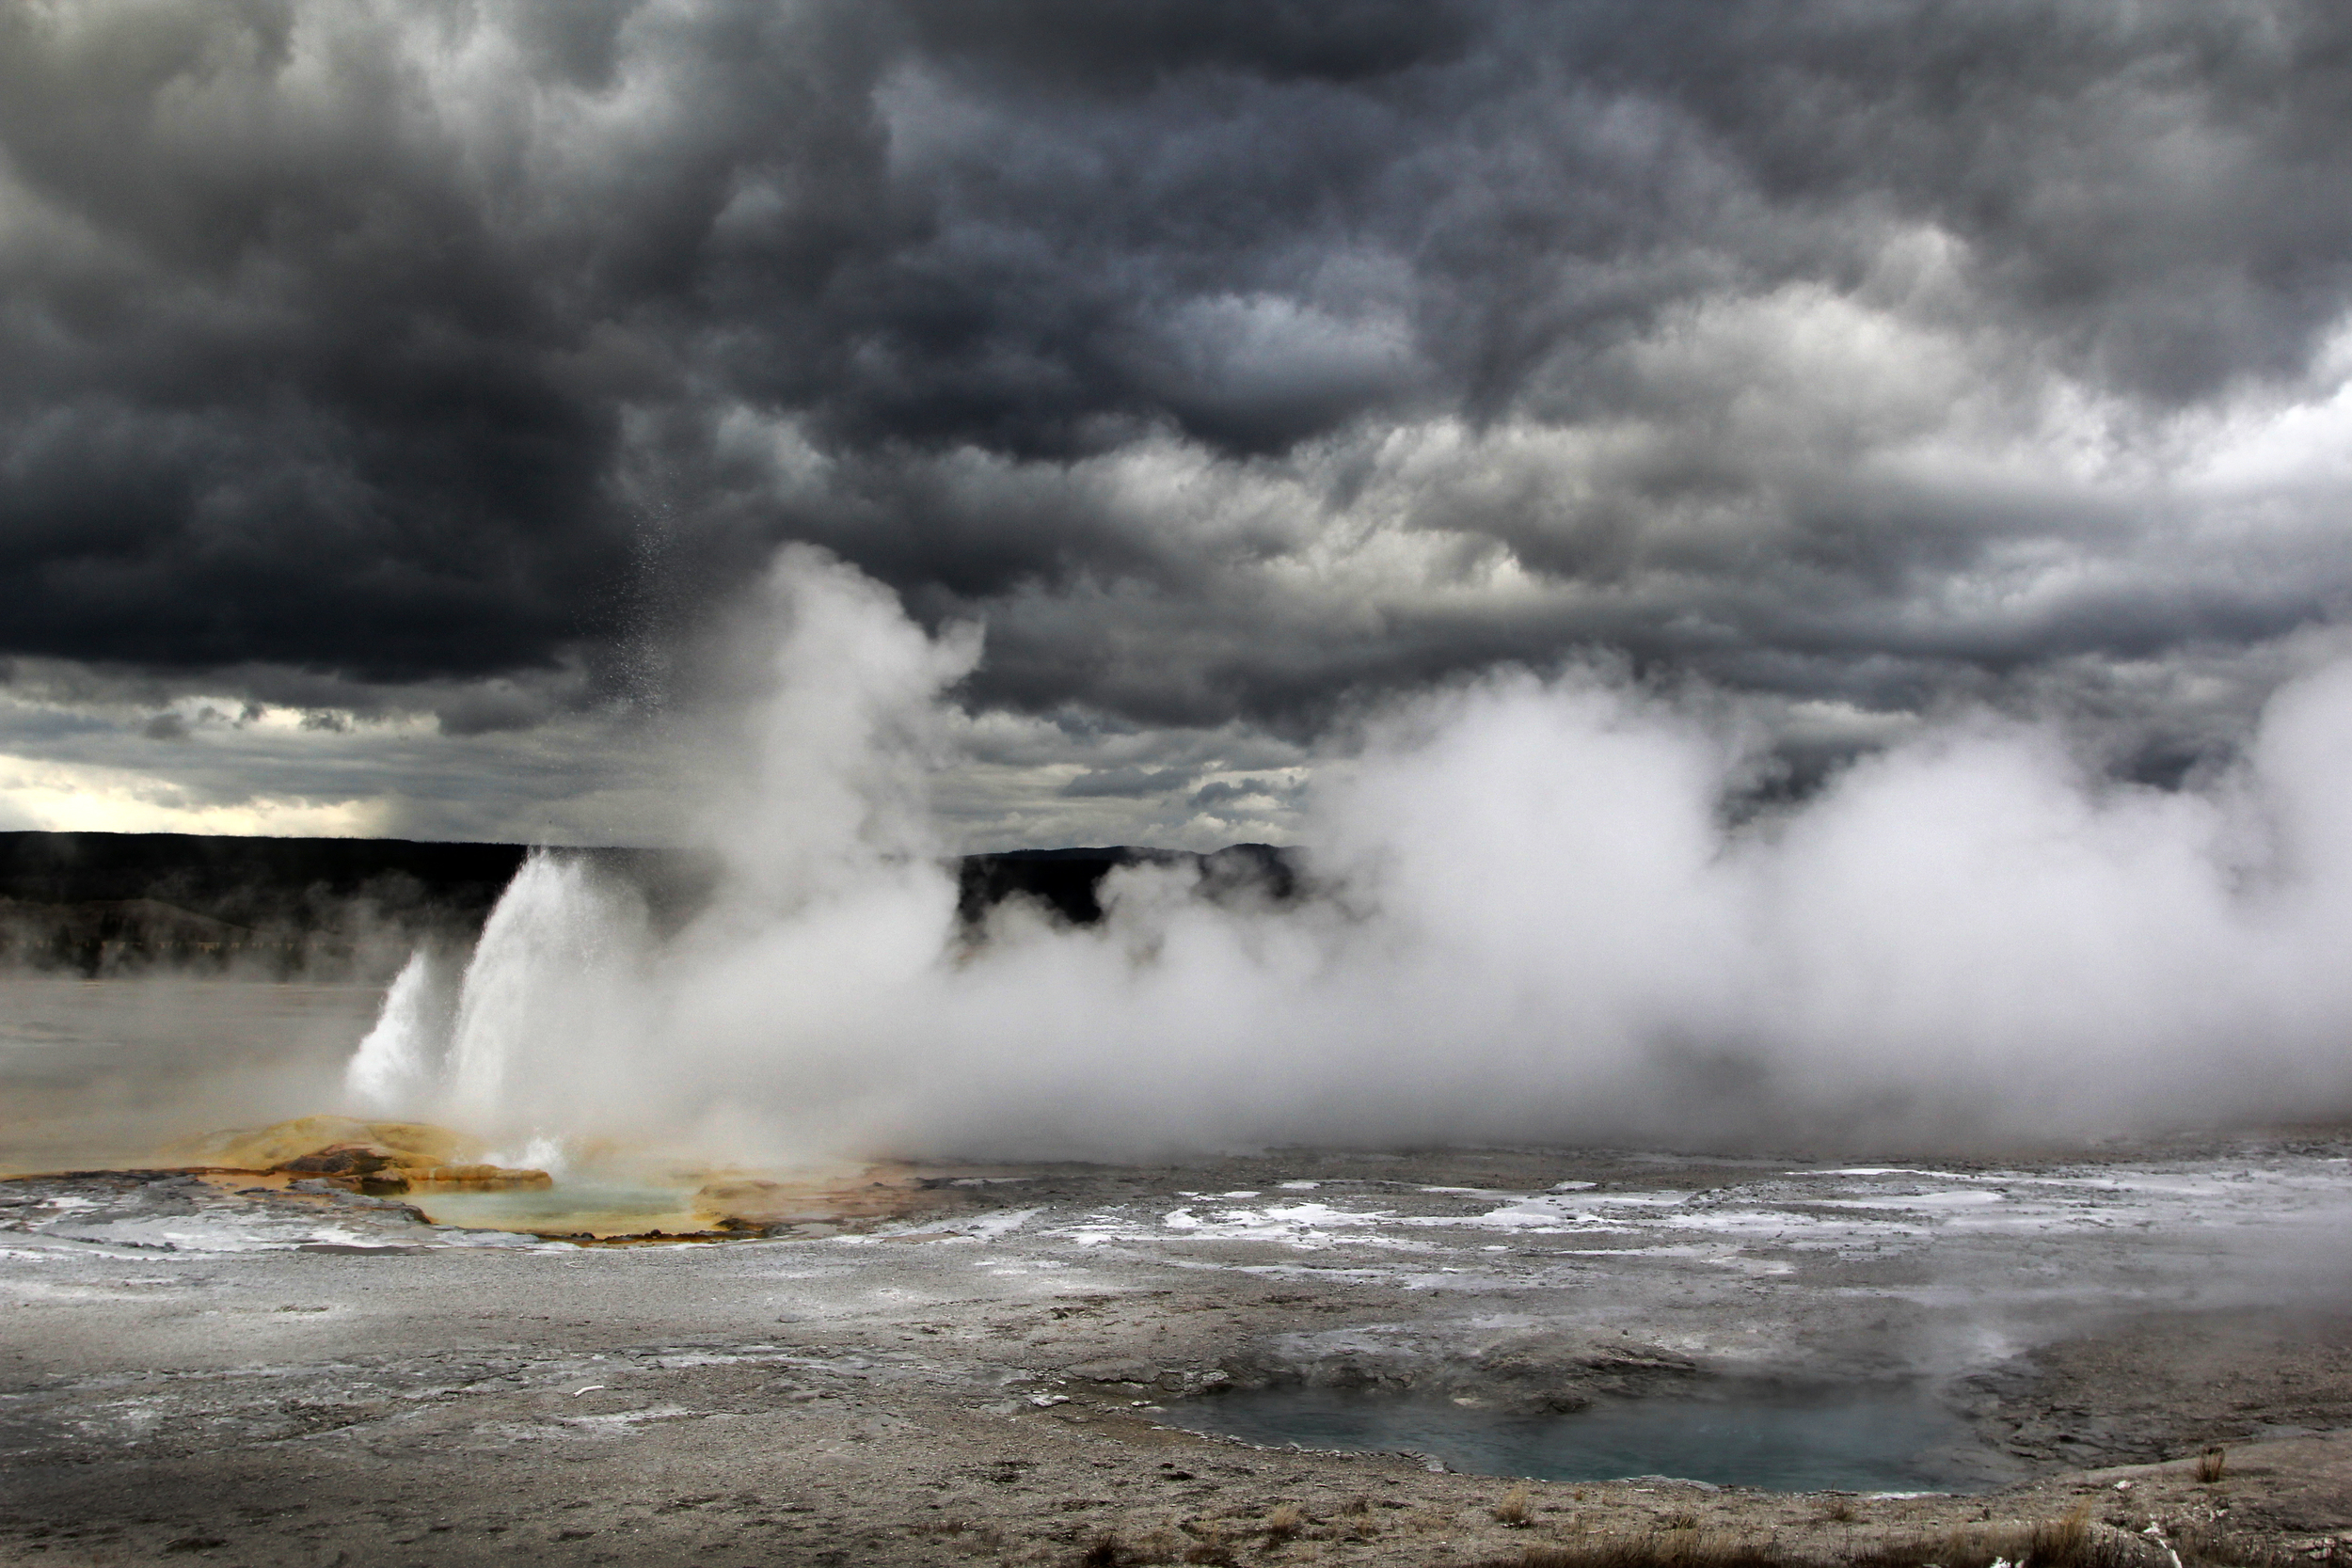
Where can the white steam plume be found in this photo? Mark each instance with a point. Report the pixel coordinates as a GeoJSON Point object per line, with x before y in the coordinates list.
{"type": "Point", "coordinates": [1536, 928]}
{"type": "Point", "coordinates": [400, 1061]}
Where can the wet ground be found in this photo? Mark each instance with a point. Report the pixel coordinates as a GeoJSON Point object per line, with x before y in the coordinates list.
{"type": "Point", "coordinates": [97, 1072]}
{"type": "Point", "coordinates": [284, 1376]}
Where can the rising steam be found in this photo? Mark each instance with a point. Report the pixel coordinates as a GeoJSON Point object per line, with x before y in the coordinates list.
{"type": "Point", "coordinates": [1533, 927]}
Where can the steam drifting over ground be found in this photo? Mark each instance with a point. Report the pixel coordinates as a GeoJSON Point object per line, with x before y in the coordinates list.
{"type": "Point", "coordinates": [1536, 917]}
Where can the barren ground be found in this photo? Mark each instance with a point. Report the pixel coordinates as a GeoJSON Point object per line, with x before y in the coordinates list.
{"type": "Point", "coordinates": [286, 1378]}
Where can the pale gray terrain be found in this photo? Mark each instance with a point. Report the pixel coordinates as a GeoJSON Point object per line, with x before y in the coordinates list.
{"type": "Point", "coordinates": [309, 1379]}
{"type": "Point", "coordinates": [200, 1367]}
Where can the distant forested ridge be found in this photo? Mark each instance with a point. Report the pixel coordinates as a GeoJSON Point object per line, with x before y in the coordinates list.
{"type": "Point", "coordinates": [100, 903]}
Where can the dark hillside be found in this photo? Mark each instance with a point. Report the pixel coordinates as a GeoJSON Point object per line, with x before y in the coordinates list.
{"type": "Point", "coordinates": [106, 902]}
{"type": "Point", "coordinates": [1069, 880]}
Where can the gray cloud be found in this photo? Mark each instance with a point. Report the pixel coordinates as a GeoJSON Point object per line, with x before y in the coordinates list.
{"type": "Point", "coordinates": [1221, 793]}
{"type": "Point", "coordinates": [1127, 782]}
{"type": "Point", "coordinates": [1234, 364]}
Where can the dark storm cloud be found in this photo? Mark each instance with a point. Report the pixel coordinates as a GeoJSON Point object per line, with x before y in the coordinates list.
{"type": "Point", "coordinates": [1227, 359]}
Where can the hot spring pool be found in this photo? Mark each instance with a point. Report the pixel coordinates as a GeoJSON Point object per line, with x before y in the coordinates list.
{"type": "Point", "coordinates": [1780, 1437]}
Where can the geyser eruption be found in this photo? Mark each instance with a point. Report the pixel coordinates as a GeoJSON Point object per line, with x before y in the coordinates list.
{"type": "Point", "coordinates": [402, 1058]}
{"type": "Point", "coordinates": [1533, 926]}
{"type": "Point", "coordinates": [555, 962]}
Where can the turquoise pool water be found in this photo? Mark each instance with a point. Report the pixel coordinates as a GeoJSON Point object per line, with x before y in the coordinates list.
{"type": "Point", "coordinates": [1778, 1436]}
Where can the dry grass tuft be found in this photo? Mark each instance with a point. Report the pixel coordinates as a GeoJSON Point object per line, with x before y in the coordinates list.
{"type": "Point", "coordinates": [1284, 1521]}
{"type": "Point", "coordinates": [2214, 1547]}
{"type": "Point", "coordinates": [2212, 1463]}
{"type": "Point", "coordinates": [2066, 1540]}
{"type": "Point", "coordinates": [1514, 1510]}
{"type": "Point", "coordinates": [2073, 1542]}
{"type": "Point", "coordinates": [1162, 1543]}
{"type": "Point", "coordinates": [1209, 1545]}
{"type": "Point", "coordinates": [950, 1526]}
{"type": "Point", "coordinates": [1682, 1549]}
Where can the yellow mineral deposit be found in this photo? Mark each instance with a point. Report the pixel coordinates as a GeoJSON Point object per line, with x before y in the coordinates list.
{"type": "Point", "coordinates": [812, 1202]}
{"type": "Point", "coordinates": [380, 1157]}
{"type": "Point", "coordinates": [617, 1196]}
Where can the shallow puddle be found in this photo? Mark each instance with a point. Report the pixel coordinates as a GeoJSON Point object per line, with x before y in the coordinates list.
{"type": "Point", "coordinates": [1782, 1439]}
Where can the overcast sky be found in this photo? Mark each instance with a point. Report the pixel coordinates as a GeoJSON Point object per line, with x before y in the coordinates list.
{"type": "Point", "coordinates": [392, 396]}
